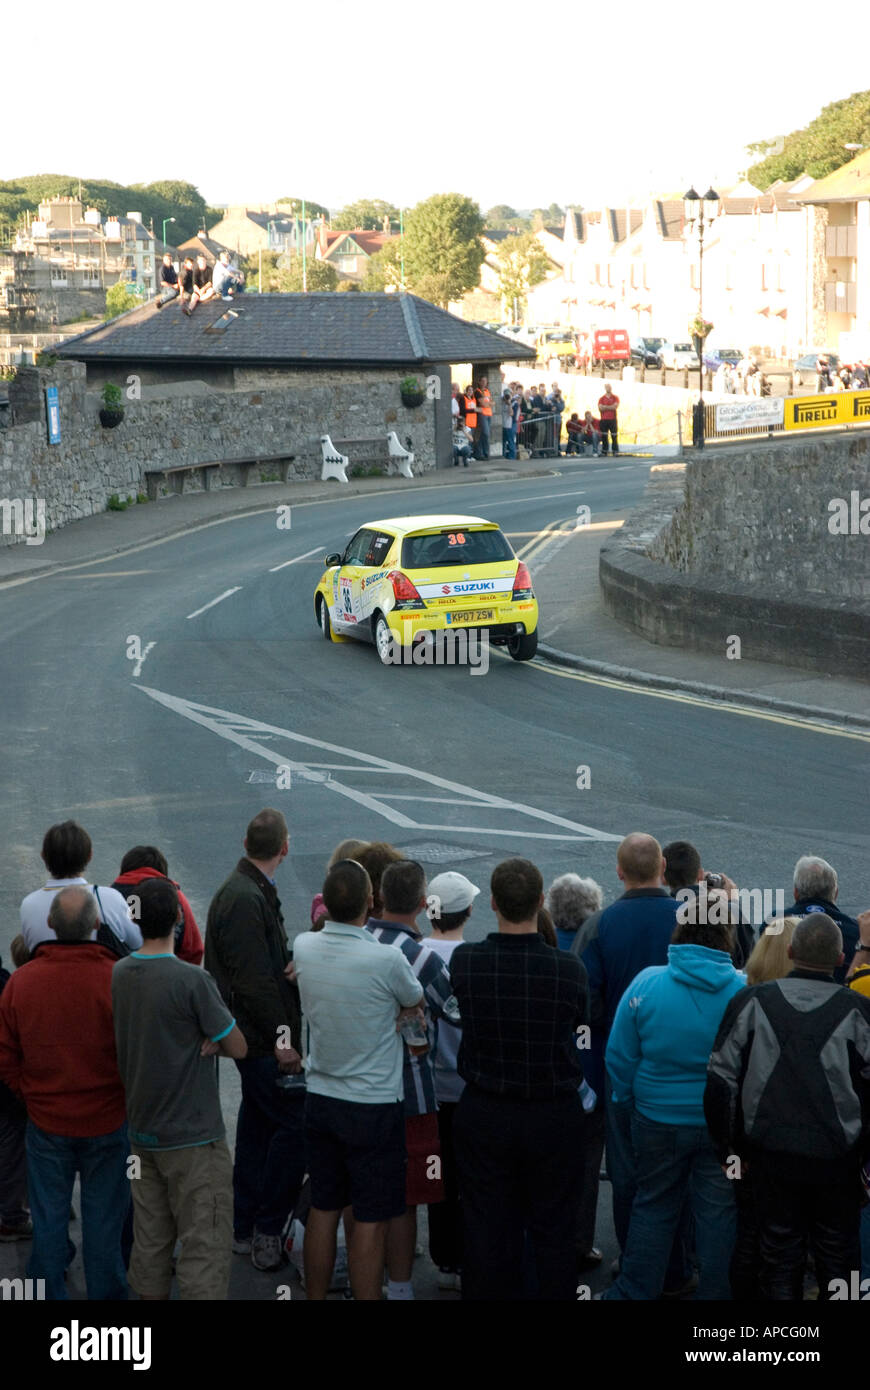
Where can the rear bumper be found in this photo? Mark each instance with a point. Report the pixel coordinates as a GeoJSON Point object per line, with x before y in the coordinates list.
{"type": "Point", "coordinates": [510, 622]}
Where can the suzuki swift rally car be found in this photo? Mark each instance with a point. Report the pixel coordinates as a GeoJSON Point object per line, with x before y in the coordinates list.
{"type": "Point", "coordinates": [414, 577]}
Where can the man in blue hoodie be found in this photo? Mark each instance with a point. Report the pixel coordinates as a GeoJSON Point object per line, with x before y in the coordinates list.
{"type": "Point", "coordinates": [657, 1058]}
{"type": "Point", "coordinates": [615, 945]}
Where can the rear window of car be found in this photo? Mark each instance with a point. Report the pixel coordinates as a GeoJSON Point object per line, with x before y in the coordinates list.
{"type": "Point", "coordinates": [683, 347]}
{"type": "Point", "coordinates": [455, 546]}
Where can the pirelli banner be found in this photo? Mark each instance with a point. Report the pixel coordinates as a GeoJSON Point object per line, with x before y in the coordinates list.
{"type": "Point", "coordinates": [821, 412]}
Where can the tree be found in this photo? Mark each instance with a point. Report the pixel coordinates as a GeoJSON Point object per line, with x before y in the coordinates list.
{"type": "Point", "coordinates": [119, 300]}
{"type": "Point", "coordinates": [293, 206]}
{"type": "Point", "coordinates": [320, 275]}
{"type": "Point", "coordinates": [443, 250]}
{"type": "Point", "coordinates": [816, 150]}
{"type": "Point", "coordinates": [502, 212]}
{"type": "Point", "coordinates": [367, 213]}
{"type": "Point", "coordinates": [251, 266]}
{"type": "Point", "coordinates": [384, 269]}
{"type": "Point", "coordinates": [347, 285]}
{"type": "Point", "coordinates": [523, 264]}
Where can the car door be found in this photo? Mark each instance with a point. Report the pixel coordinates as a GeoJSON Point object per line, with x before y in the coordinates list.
{"type": "Point", "coordinates": [346, 584]}
{"type": "Point", "coordinates": [373, 572]}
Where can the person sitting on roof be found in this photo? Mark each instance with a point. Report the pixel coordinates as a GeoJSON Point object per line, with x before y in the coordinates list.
{"type": "Point", "coordinates": [203, 289]}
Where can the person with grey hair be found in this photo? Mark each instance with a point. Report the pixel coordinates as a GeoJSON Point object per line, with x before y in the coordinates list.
{"type": "Point", "coordinates": [816, 888]}
{"type": "Point", "coordinates": [788, 1103]}
{"type": "Point", "coordinates": [57, 1054]}
{"type": "Point", "coordinates": [570, 900]}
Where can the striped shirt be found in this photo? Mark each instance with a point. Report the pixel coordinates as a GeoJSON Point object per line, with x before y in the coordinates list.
{"type": "Point", "coordinates": [418, 1075]}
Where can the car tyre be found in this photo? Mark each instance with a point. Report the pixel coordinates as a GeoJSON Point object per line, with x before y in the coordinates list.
{"type": "Point", "coordinates": [325, 623]}
{"type": "Point", "coordinates": [523, 646]}
{"type": "Point", "coordinates": [383, 639]}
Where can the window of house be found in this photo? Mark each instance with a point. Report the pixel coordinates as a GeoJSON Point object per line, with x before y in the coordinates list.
{"type": "Point", "coordinates": [91, 279]}
{"type": "Point", "coordinates": [347, 262]}
{"type": "Point", "coordinates": [58, 275]}
{"type": "Point", "coordinates": [598, 274]}
{"type": "Point", "coordinates": [765, 276]}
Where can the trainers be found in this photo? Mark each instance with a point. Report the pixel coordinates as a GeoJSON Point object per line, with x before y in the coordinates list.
{"type": "Point", "coordinates": [449, 1280]}
{"type": "Point", "coordinates": [242, 1245]}
{"type": "Point", "coordinates": [22, 1230]}
{"type": "Point", "coordinates": [266, 1252]}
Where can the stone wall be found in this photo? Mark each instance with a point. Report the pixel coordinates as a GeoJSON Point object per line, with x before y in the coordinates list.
{"type": "Point", "coordinates": [282, 413]}
{"type": "Point", "coordinates": [760, 515]}
{"type": "Point", "coordinates": [740, 547]}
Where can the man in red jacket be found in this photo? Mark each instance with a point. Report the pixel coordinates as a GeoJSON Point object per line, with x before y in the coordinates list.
{"type": "Point", "coordinates": [57, 1053]}
{"type": "Point", "coordinates": [142, 863]}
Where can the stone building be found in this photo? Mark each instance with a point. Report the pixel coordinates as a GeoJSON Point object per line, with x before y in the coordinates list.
{"type": "Point", "coordinates": [263, 378]}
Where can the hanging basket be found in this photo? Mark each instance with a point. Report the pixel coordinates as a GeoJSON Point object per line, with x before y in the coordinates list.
{"type": "Point", "coordinates": [110, 418]}
{"type": "Point", "coordinates": [412, 399]}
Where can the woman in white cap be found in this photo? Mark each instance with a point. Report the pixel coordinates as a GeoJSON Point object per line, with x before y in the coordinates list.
{"type": "Point", "coordinates": [450, 900]}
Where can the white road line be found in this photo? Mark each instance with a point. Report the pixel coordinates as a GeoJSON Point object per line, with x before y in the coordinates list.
{"type": "Point", "coordinates": [220, 598]}
{"type": "Point", "coordinates": [296, 560]}
{"type": "Point", "coordinates": [541, 497]}
{"type": "Point", "coordinates": [226, 724]}
{"type": "Point", "coordinates": [139, 664]}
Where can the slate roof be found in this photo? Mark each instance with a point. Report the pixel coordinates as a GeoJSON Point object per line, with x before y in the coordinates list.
{"type": "Point", "coordinates": [296, 330]}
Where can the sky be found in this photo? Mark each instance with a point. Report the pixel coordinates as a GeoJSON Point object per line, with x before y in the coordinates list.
{"type": "Point", "coordinates": [595, 104]}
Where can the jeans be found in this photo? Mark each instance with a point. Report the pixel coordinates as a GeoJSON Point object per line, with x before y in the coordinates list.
{"type": "Point", "coordinates": [670, 1160]}
{"type": "Point", "coordinates": [608, 425]}
{"type": "Point", "coordinates": [483, 437]}
{"type": "Point", "coordinates": [520, 1164]}
{"type": "Point", "coordinates": [620, 1162]}
{"type": "Point", "coordinates": [101, 1162]}
{"type": "Point", "coordinates": [13, 1179]}
{"type": "Point", "coordinates": [509, 441]}
{"type": "Point", "coordinates": [270, 1150]}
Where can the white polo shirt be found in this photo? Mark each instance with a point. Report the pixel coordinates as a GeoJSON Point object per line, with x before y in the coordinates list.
{"type": "Point", "coordinates": [351, 988]}
{"type": "Point", "coordinates": [34, 913]}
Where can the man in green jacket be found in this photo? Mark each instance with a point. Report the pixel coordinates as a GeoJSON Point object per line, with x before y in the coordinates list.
{"type": "Point", "coordinates": [247, 953]}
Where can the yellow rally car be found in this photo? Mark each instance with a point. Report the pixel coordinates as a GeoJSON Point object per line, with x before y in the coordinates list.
{"type": "Point", "coordinates": [413, 578]}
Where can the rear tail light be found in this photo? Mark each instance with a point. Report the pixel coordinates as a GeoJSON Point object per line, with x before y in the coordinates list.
{"type": "Point", "coordinates": [405, 593]}
{"type": "Point", "coordinates": [522, 583]}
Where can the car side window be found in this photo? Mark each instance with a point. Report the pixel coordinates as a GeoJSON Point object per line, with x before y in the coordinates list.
{"type": "Point", "coordinates": [357, 548]}
{"type": "Point", "coordinates": [378, 549]}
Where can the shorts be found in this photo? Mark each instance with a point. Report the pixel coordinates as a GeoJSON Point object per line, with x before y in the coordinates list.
{"type": "Point", "coordinates": [423, 1185]}
{"type": "Point", "coordinates": [356, 1156]}
{"type": "Point", "coordinates": [184, 1195]}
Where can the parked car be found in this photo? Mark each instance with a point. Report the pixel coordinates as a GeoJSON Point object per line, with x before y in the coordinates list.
{"type": "Point", "coordinates": [806, 368]}
{"type": "Point", "coordinates": [611, 346]}
{"type": "Point", "coordinates": [677, 355]}
{"type": "Point", "coordinates": [558, 348]}
{"type": "Point", "coordinates": [715, 356]}
{"type": "Point", "coordinates": [645, 352]}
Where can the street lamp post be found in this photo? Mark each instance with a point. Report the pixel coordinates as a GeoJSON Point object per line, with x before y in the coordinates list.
{"type": "Point", "coordinates": [700, 213]}
{"type": "Point", "coordinates": [165, 221]}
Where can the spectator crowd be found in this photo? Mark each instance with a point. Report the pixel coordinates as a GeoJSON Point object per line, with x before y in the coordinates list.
{"type": "Point", "coordinates": [719, 1067]}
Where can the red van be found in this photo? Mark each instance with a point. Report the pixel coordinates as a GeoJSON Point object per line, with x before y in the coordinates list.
{"type": "Point", "coordinates": [611, 346]}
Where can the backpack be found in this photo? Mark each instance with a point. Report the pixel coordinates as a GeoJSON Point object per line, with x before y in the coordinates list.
{"type": "Point", "coordinates": [105, 934]}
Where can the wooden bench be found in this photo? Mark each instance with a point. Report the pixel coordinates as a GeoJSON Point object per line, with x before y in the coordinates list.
{"type": "Point", "coordinates": [156, 477]}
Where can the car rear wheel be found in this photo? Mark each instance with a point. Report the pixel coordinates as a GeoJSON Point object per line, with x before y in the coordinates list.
{"type": "Point", "coordinates": [523, 646]}
{"type": "Point", "coordinates": [383, 640]}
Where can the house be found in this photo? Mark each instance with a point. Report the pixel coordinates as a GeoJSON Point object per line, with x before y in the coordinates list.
{"type": "Point", "coordinates": [202, 245]}
{"type": "Point", "coordinates": [249, 230]}
{"type": "Point", "coordinates": [60, 265]}
{"type": "Point", "coordinates": [350, 251]}
{"type": "Point", "coordinates": [838, 258]}
{"type": "Point", "coordinates": [484, 304]}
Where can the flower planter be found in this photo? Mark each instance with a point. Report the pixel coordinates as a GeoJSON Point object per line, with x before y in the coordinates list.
{"type": "Point", "coordinates": [110, 418]}
{"type": "Point", "coordinates": [413, 398]}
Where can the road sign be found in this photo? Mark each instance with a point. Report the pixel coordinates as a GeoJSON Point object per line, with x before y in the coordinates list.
{"type": "Point", "coordinates": [52, 413]}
